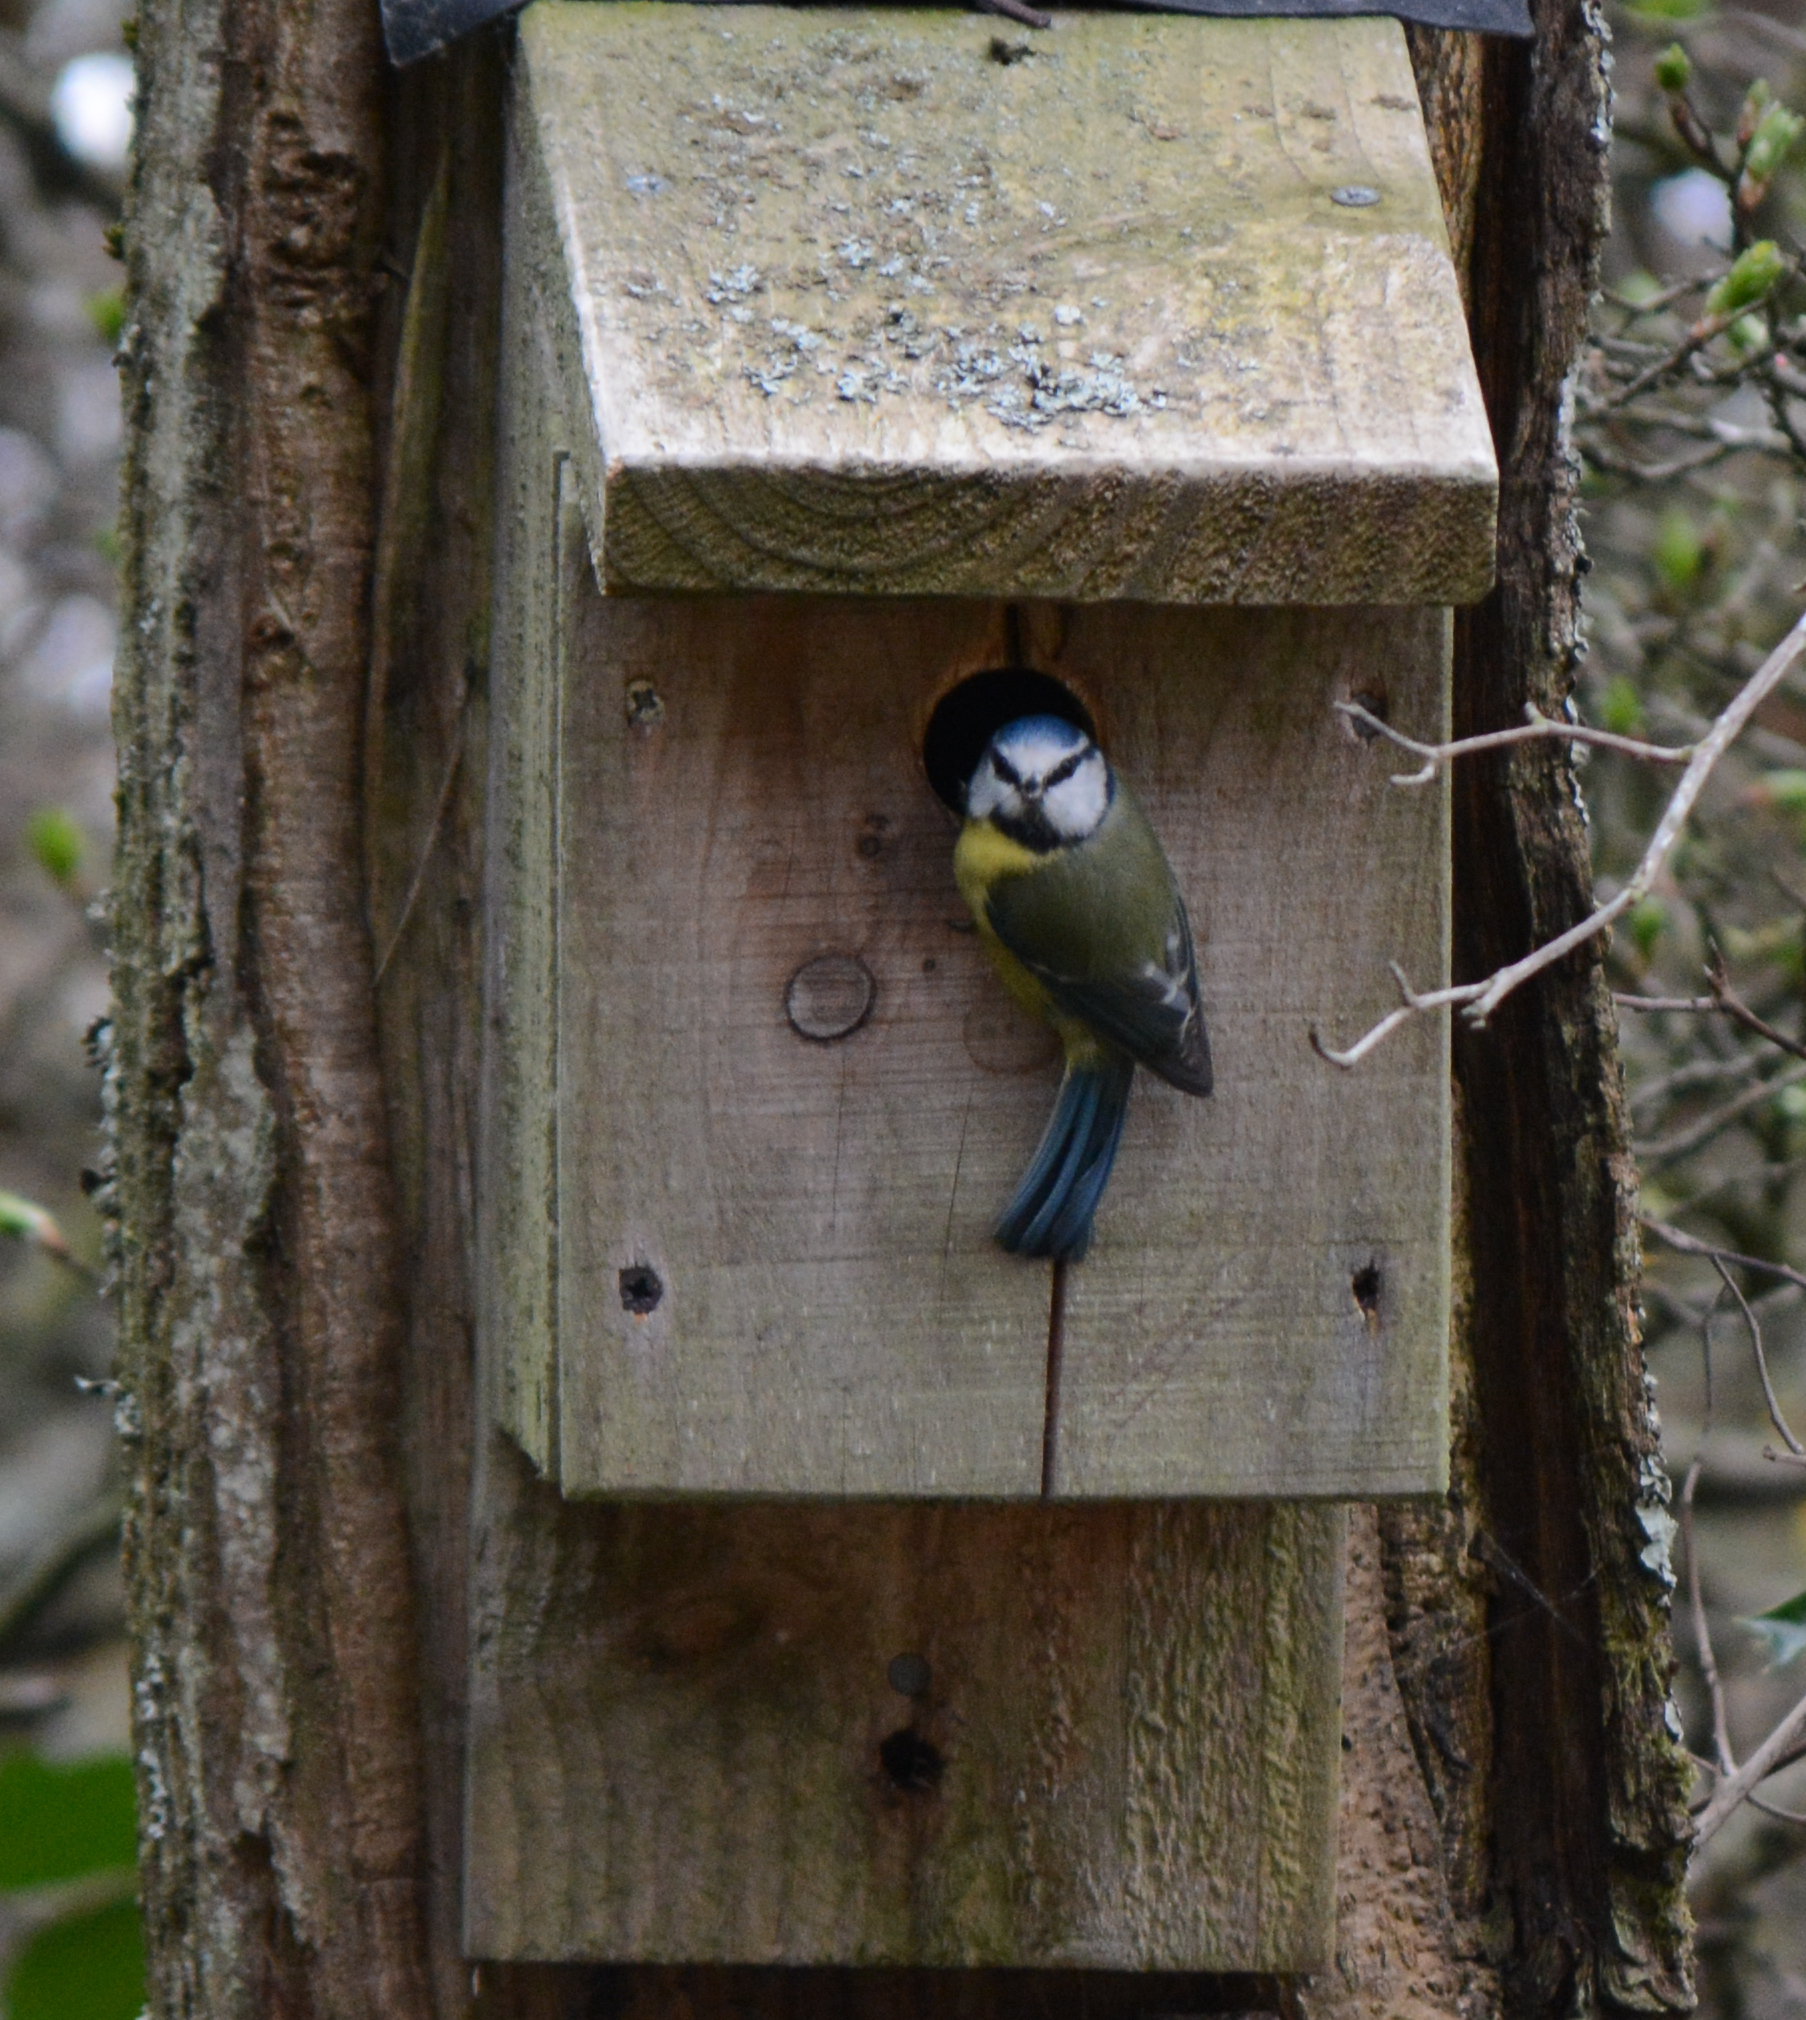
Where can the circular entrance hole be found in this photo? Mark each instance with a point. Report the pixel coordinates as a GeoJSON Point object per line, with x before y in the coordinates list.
{"type": "Point", "coordinates": [967, 717]}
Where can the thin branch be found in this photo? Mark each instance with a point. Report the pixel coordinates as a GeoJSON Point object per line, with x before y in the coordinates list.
{"type": "Point", "coordinates": [1696, 1135]}
{"type": "Point", "coordinates": [1725, 1759]}
{"type": "Point", "coordinates": [1480, 999]}
{"type": "Point", "coordinates": [1672, 361]}
{"type": "Point", "coordinates": [1696, 1004]}
{"type": "Point", "coordinates": [1768, 1388]}
{"type": "Point", "coordinates": [1739, 1012]}
{"type": "Point", "coordinates": [1690, 1244]}
{"type": "Point", "coordinates": [1614, 465]}
{"type": "Point", "coordinates": [1537, 728]}
{"type": "Point", "coordinates": [1769, 1756]}
{"type": "Point", "coordinates": [1769, 1809]}
{"type": "Point", "coordinates": [1666, 298]}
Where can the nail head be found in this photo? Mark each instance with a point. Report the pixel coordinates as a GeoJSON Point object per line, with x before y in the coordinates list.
{"type": "Point", "coordinates": [909, 1675]}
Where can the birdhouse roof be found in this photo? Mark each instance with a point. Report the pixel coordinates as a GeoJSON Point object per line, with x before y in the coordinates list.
{"type": "Point", "coordinates": [899, 302]}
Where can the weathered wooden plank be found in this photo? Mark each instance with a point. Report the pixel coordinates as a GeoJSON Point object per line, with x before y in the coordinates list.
{"type": "Point", "coordinates": [752, 862]}
{"type": "Point", "coordinates": [861, 308]}
{"type": "Point", "coordinates": [517, 1262]}
{"type": "Point", "coordinates": [743, 798]}
{"type": "Point", "coordinates": [1265, 1305]}
{"type": "Point", "coordinates": [1118, 1745]}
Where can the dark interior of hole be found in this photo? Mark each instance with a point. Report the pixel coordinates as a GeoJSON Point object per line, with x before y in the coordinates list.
{"type": "Point", "coordinates": [967, 717]}
{"type": "Point", "coordinates": [640, 1289]}
{"type": "Point", "coordinates": [910, 1761]}
{"type": "Point", "coordinates": [1366, 1287]}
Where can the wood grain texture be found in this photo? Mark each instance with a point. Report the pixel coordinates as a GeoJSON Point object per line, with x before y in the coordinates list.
{"type": "Point", "coordinates": [861, 309]}
{"type": "Point", "coordinates": [832, 1314]}
{"type": "Point", "coordinates": [742, 794]}
{"type": "Point", "coordinates": [1126, 1750]}
{"type": "Point", "coordinates": [1265, 1306]}
{"type": "Point", "coordinates": [517, 1264]}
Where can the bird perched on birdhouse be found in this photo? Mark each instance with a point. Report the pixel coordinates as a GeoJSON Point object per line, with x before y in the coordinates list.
{"type": "Point", "coordinates": [1079, 911]}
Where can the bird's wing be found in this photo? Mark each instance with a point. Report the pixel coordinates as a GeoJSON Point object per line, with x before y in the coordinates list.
{"type": "Point", "coordinates": [1148, 1007]}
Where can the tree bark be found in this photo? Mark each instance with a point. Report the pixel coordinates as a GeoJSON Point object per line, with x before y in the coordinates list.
{"type": "Point", "coordinates": [310, 364]}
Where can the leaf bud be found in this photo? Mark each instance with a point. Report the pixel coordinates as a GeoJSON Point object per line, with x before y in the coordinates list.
{"type": "Point", "coordinates": [1753, 274]}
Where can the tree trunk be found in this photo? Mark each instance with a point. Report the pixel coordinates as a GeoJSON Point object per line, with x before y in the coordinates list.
{"type": "Point", "coordinates": [301, 714]}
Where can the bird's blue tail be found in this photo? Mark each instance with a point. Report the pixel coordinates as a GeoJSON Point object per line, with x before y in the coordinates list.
{"type": "Point", "coordinates": [1051, 1213]}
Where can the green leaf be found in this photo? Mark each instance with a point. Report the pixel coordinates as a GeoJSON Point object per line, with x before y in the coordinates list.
{"type": "Point", "coordinates": [1770, 144]}
{"type": "Point", "coordinates": [1782, 1629]}
{"type": "Point", "coordinates": [57, 844]}
{"type": "Point", "coordinates": [90, 1967]}
{"type": "Point", "coordinates": [1674, 68]}
{"type": "Point", "coordinates": [1679, 554]}
{"type": "Point", "coordinates": [1753, 273]}
{"type": "Point", "coordinates": [1621, 707]}
{"type": "Point", "coordinates": [1645, 922]}
{"type": "Point", "coordinates": [1660, 13]}
{"type": "Point", "coordinates": [24, 1220]}
{"type": "Point", "coordinates": [1784, 790]}
{"type": "Point", "coordinates": [106, 311]}
{"type": "Point", "coordinates": [62, 1820]}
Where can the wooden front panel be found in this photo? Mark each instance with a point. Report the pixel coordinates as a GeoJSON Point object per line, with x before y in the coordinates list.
{"type": "Point", "coordinates": [1116, 1744]}
{"type": "Point", "coordinates": [744, 811]}
{"type": "Point", "coordinates": [741, 795]}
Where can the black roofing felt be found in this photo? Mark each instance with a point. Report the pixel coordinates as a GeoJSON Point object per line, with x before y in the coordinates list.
{"type": "Point", "coordinates": [415, 28]}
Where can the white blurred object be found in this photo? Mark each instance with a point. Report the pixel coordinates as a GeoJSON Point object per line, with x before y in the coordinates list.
{"type": "Point", "coordinates": [72, 661]}
{"type": "Point", "coordinates": [92, 106]}
{"type": "Point", "coordinates": [1693, 207]}
{"type": "Point", "coordinates": [88, 422]}
{"type": "Point", "coordinates": [28, 487]}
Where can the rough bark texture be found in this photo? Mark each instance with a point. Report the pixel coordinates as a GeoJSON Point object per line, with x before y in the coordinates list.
{"type": "Point", "coordinates": [1588, 1822]}
{"type": "Point", "coordinates": [293, 1226]}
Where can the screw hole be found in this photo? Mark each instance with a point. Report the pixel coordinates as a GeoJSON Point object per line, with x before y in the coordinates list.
{"type": "Point", "coordinates": [910, 1762]}
{"type": "Point", "coordinates": [641, 1289]}
{"type": "Point", "coordinates": [1371, 696]}
{"type": "Point", "coordinates": [1366, 1284]}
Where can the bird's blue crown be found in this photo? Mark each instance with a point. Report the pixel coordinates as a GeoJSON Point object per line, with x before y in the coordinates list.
{"type": "Point", "coordinates": [1033, 742]}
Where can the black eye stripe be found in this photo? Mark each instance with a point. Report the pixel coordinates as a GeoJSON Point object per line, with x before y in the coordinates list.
{"type": "Point", "coordinates": [1065, 769]}
{"type": "Point", "coordinates": [1005, 770]}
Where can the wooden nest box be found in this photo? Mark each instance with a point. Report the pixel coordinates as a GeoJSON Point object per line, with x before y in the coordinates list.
{"type": "Point", "coordinates": [871, 377]}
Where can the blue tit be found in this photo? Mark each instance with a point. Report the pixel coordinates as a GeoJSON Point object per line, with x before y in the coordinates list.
{"type": "Point", "coordinates": [1078, 910]}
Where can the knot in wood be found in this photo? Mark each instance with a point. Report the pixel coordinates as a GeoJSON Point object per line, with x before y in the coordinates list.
{"type": "Point", "coordinates": [829, 997]}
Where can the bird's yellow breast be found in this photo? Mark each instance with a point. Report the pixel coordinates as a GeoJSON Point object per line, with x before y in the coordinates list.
{"type": "Point", "coordinates": [982, 855]}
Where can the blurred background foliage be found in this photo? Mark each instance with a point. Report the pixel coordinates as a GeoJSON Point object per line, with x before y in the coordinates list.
{"type": "Point", "coordinates": [69, 1942]}
{"type": "Point", "coordinates": [1691, 417]}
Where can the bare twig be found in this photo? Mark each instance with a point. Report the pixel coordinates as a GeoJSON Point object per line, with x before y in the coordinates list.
{"type": "Point", "coordinates": [1732, 1791]}
{"type": "Point", "coordinates": [1665, 298]}
{"type": "Point", "coordinates": [1739, 1012]}
{"type": "Point", "coordinates": [1696, 1004]}
{"type": "Point", "coordinates": [1690, 1244]}
{"type": "Point", "coordinates": [1537, 728]}
{"type": "Point", "coordinates": [94, 1528]}
{"type": "Point", "coordinates": [1480, 999]}
{"type": "Point", "coordinates": [1725, 1759]}
{"type": "Point", "coordinates": [1614, 465]}
{"type": "Point", "coordinates": [1768, 1388]}
{"type": "Point", "coordinates": [1696, 1135]}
